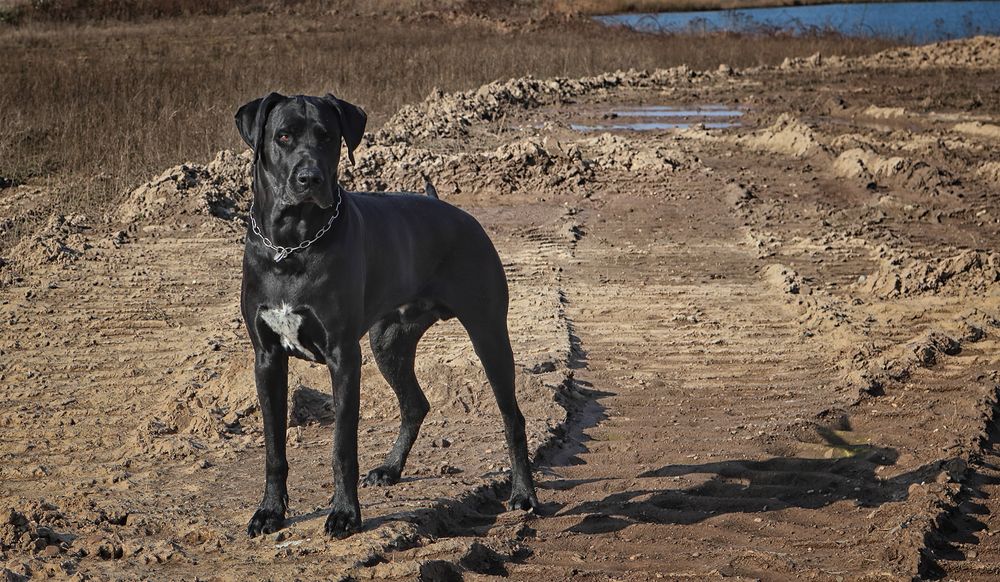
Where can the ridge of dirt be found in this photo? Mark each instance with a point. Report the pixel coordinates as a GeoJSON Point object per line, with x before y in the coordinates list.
{"type": "Point", "coordinates": [967, 272]}
{"type": "Point", "coordinates": [443, 115]}
{"type": "Point", "coordinates": [975, 52]}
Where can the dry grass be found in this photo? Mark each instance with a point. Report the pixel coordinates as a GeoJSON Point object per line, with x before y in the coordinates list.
{"type": "Point", "coordinates": [105, 107]}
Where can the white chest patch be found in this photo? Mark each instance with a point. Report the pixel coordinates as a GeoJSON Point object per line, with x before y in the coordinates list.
{"type": "Point", "coordinates": [286, 324]}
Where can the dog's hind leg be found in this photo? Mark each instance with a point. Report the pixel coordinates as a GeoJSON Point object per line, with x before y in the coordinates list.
{"type": "Point", "coordinates": [394, 344]}
{"type": "Point", "coordinates": [492, 344]}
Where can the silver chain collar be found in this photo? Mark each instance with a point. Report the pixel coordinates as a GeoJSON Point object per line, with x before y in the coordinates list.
{"type": "Point", "coordinates": [283, 252]}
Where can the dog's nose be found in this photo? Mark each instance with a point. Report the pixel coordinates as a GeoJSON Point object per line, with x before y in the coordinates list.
{"type": "Point", "coordinates": [309, 177]}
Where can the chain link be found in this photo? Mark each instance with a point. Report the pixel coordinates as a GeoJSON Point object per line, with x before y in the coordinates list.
{"type": "Point", "coordinates": [283, 252]}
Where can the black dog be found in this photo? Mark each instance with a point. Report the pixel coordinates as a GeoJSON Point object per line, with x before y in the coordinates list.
{"type": "Point", "coordinates": [323, 266]}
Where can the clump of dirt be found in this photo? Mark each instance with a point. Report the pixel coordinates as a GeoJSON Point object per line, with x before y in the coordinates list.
{"type": "Point", "coordinates": [62, 240]}
{"type": "Point", "coordinates": [979, 129]}
{"type": "Point", "coordinates": [214, 407]}
{"type": "Point", "coordinates": [787, 135]}
{"type": "Point", "coordinates": [616, 152]}
{"type": "Point", "coordinates": [976, 52]}
{"type": "Point", "coordinates": [221, 188]}
{"type": "Point", "coordinates": [970, 271]}
{"type": "Point", "coordinates": [872, 369]}
{"type": "Point", "coordinates": [873, 168]}
{"type": "Point", "coordinates": [876, 112]}
{"type": "Point", "coordinates": [782, 278]}
{"type": "Point", "coordinates": [52, 541]}
{"type": "Point", "coordinates": [928, 349]}
{"type": "Point", "coordinates": [813, 61]}
{"type": "Point", "coordinates": [990, 172]}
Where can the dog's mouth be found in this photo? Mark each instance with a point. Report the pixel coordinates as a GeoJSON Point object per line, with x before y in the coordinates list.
{"type": "Point", "coordinates": [322, 197]}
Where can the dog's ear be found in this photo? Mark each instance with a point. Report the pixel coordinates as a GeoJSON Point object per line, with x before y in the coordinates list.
{"type": "Point", "coordinates": [252, 117]}
{"type": "Point", "coordinates": [352, 122]}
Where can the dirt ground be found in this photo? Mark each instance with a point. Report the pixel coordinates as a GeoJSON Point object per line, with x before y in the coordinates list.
{"type": "Point", "coordinates": [762, 351]}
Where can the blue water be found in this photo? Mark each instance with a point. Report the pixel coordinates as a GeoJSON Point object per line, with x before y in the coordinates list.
{"type": "Point", "coordinates": [919, 22]}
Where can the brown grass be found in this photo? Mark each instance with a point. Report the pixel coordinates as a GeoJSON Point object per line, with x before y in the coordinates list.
{"type": "Point", "coordinates": [105, 107]}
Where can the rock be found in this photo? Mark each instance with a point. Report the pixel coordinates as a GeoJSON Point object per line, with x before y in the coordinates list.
{"type": "Point", "coordinates": [783, 278]}
{"type": "Point", "coordinates": [543, 367]}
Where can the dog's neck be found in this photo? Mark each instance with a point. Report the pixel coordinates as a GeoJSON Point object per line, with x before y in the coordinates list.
{"type": "Point", "coordinates": [288, 225]}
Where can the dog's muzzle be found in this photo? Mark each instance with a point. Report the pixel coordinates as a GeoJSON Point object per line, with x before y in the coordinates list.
{"type": "Point", "coordinates": [309, 185]}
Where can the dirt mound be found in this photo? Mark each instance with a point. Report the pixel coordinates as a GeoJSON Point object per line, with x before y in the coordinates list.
{"type": "Point", "coordinates": [990, 171]}
{"type": "Point", "coordinates": [221, 188]}
{"type": "Point", "coordinates": [976, 52]}
{"type": "Point", "coordinates": [970, 271]}
{"type": "Point", "coordinates": [62, 240]}
{"type": "Point", "coordinates": [788, 136]}
{"type": "Point", "coordinates": [510, 167]}
{"type": "Point", "coordinates": [875, 169]}
{"type": "Point", "coordinates": [534, 162]}
{"type": "Point", "coordinates": [979, 129]}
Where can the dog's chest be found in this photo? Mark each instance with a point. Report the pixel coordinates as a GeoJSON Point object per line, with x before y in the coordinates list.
{"type": "Point", "coordinates": [288, 326]}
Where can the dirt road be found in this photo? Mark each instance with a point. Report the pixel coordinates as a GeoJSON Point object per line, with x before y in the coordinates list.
{"type": "Point", "coordinates": [762, 350]}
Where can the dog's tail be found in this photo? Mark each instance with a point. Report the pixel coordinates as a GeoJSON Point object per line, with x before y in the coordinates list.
{"type": "Point", "coordinates": [429, 188]}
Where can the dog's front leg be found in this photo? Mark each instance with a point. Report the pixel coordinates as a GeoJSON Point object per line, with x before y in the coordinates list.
{"type": "Point", "coordinates": [271, 373]}
{"type": "Point", "coordinates": [345, 375]}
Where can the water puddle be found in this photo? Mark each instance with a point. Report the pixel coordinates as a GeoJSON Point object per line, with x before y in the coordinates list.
{"type": "Point", "coordinates": [663, 117]}
{"type": "Point", "coordinates": [648, 126]}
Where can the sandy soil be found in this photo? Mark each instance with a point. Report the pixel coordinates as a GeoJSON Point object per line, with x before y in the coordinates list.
{"type": "Point", "coordinates": [767, 351]}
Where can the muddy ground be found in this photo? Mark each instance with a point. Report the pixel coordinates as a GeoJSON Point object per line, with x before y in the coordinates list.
{"type": "Point", "coordinates": [760, 351]}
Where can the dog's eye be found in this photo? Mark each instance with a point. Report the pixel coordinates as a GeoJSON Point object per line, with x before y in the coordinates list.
{"type": "Point", "coordinates": [284, 138]}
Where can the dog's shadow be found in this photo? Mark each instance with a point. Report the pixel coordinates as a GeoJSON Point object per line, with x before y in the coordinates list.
{"type": "Point", "coordinates": [746, 486]}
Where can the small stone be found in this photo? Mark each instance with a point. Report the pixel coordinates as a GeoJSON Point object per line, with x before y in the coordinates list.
{"type": "Point", "coordinates": [51, 551]}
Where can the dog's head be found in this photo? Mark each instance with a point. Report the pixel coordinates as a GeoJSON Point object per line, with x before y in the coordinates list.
{"type": "Point", "coordinates": [296, 144]}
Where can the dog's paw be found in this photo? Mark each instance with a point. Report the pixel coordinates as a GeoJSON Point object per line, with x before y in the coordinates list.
{"type": "Point", "coordinates": [343, 522]}
{"type": "Point", "coordinates": [524, 501]}
{"type": "Point", "coordinates": [265, 521]}
{"type": "Point", "coordinates": [381, 476]}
